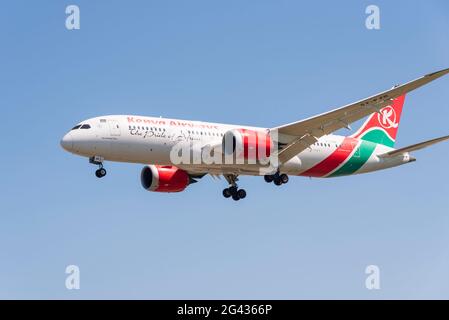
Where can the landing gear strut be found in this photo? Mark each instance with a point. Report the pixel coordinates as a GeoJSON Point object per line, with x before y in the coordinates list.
{"type": "Point", "coordinates": [277, 178]}
{"type": "Point", "coordinates": [233, 190]}
{"type": "Point", "coordinates": [101, 172]}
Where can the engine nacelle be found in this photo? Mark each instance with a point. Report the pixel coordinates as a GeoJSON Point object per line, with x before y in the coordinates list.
{"type": "Point", "coordinates": [249, 144]}
{"type": "Point", "coordinates": [164, 178]}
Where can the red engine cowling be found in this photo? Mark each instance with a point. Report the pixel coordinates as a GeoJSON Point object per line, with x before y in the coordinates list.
{"type": "Point", "coordinates": [249, 144]}
{"type": "Point", "coordinates": [164, 178]}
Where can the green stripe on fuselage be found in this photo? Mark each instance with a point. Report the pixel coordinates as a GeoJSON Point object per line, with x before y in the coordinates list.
{"type": "Point", "coordinates": [357, 160]}
{"type": "Point", "coordinates": [378, 136]}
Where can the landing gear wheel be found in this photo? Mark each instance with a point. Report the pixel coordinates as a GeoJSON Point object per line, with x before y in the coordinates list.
{"type": "Point", "coordinates": [268, 178]}
{"type": "Point", "coordinates": [97, 160]}
{"type": "Point", "coordinates": [100, 173]}
{"type": "Point", "coordinates": [277, 181]}
{"type": "Point", "coordinates": [226, 193]}
{"type": "Point", "coordinates": [284, 178]}
{"type": "Point", "coordinates": [241, 193]}
{"type": "Point", "coordinates": [233, 190]}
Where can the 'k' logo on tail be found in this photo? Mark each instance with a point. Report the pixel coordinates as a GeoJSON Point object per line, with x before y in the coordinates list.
{"type": "Point", "coordinates": [387, 118]}
{"type": "Point", "coordinates": [382, 127]}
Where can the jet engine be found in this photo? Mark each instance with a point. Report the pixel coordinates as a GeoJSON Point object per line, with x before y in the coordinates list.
{"type": "Point", "coordinates": [249, 144]}
{"type": "Point", "coordinates": [164, 178]}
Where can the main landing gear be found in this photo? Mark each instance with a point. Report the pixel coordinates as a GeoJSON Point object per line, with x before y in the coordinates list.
{"type": "Point", "coordinates": [101, 172]}
{"type": "Point", "coordinates": [233, 190]}
{"type": "Point", "coordinates": [277, 178]}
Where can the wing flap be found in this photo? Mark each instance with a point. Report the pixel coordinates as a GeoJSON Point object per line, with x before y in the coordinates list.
{"type": "Point", "coordinates": [292, 148]}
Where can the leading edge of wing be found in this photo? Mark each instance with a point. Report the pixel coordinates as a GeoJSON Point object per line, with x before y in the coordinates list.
{"type": "Point", "coordinates": [348, 113]}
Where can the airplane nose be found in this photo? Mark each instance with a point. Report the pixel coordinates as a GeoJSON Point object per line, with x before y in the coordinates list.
{"type": "Point", "coordinates": [67, 142]}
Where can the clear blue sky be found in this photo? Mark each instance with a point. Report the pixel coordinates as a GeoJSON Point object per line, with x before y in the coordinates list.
{"type": "Point", "coordinates": [259, 63]}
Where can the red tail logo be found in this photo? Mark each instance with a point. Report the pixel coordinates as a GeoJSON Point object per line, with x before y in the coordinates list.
{"type": "Point", "coordinates": [387, 118]}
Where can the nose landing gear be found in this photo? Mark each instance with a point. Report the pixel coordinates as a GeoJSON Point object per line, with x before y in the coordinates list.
{"type": "Point", "coordinates": [101, 172]}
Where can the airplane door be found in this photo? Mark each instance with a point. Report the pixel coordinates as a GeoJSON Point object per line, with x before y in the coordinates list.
{"type": "Point", "coordinates": [102, 145]}
{"type": "Point", "coordinates": [114, 128]}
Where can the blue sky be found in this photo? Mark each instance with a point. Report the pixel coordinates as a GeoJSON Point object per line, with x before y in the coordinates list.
{"type": "Point", "coordinates": [260, 63]}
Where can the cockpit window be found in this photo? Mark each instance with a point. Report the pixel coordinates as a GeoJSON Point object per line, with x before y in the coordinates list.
{"type": "Point", "coordinates": [76, 127]}
{"type": "Point", "coordinates": [85, 126]}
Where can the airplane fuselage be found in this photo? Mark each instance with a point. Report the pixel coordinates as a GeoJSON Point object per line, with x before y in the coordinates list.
{"type": "Point", "coordinates": [150, 140]}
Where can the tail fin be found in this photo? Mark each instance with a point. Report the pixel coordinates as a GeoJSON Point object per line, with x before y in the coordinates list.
{"type": "Point", "coordinates": [382, 127]}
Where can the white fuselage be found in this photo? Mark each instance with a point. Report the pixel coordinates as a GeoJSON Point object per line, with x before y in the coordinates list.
{"type": "Point", "coordinates": [149, 140]}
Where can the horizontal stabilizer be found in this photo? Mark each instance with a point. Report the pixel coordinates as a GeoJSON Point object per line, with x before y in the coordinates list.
{"type": "Point", "coordinates": [412, 147]}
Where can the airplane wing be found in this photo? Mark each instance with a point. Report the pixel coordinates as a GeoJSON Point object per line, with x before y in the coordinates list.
{"type": "Point", "coordinates": [412, 147]}
{"type": "Point", "coordinates": [302, 134]}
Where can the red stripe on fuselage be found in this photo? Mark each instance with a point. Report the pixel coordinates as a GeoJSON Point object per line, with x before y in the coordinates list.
{"type": "Point", "coordinates": [336, 158]}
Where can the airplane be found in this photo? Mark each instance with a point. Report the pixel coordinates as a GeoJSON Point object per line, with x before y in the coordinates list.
{"type": "Point", "coordinates": [177, 153]}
